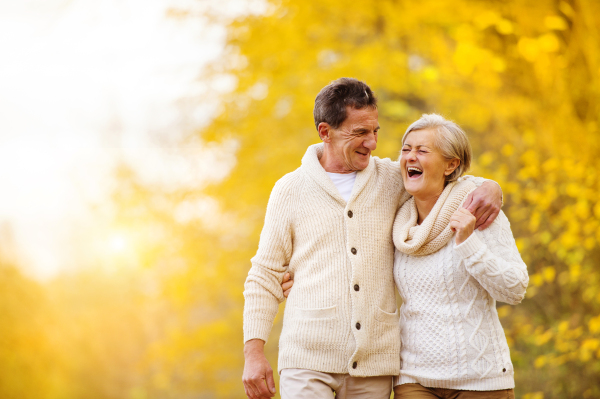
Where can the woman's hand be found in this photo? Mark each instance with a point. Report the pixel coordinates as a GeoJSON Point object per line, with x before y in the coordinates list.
{"type": "Point", "coordinates": [463, 223]}
{"type": "Point", "coordinates": [286, 284]}
{"type": "Point", "coordinates": [485, 203]}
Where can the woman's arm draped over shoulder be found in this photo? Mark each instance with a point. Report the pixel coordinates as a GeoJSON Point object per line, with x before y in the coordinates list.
{"type": "Point", "coordinates": [492, 258]}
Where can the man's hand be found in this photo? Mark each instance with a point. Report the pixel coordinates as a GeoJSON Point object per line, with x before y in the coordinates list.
{"type": "Point", "coordinates": [286, 284]}
{"type": "Point", "coordinates": [484, 203]}
{"type": "Point", "coordinates": [258, 374]}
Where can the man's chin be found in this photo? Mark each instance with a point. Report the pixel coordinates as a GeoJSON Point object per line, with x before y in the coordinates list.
{"type": "Point", "coordinates": [362, 162]}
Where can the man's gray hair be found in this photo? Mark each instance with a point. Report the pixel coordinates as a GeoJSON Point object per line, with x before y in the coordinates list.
{"type": "Point", "coordinates": [450, 140]}
{"type": "Point", "coordinates": [332, 100]}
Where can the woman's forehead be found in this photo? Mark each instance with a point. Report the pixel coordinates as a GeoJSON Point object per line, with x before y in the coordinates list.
{"type": "Point", "coordinates": [423, 137]}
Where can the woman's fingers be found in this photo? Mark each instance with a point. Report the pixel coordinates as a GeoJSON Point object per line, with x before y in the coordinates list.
{"type": "Point", "coordinates": [287, 287]}
{"type": "Point", "coordinates": [453, 225]}
{"type": "Point", "coordinates": [461, 219]}
{"type": "Point", "coordinates": [286, 284]}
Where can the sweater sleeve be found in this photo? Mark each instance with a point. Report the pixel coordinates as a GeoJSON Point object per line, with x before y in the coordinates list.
{"type": "Point", "coordinates": [492, 258]}
{"type": "Point", "coordinates": [262, 290]}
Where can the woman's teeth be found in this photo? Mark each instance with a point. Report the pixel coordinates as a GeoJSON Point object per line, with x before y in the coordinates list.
{"type": "Point", "coordinates": [412, 171]}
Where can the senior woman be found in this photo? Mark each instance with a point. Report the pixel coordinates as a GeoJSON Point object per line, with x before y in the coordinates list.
{"type": "Point", "coordinates": [450, 275]}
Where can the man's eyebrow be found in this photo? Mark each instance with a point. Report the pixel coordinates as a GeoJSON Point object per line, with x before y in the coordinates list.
{"type": "Point", "coordinates": [363, 129]}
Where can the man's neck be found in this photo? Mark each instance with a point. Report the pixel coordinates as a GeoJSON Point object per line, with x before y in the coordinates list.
{"type": "Point", "coordinates": [331, 165]}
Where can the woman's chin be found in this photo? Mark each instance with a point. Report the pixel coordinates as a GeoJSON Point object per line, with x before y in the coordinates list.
{"type": "Point", "coordinates": [413, 186]}
{"type": "Point", "coordinates": [411, 189]}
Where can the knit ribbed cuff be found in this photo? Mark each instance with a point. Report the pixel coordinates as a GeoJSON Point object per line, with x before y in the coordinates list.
{"type": "Point", "coordinates": [470, 246]}
{"type": "Point", "coordinates": [257, 329]}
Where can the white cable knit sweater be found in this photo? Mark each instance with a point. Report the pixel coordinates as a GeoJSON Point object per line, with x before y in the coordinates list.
{"type": "Point", "coordinates": [451, 334]}
{"type": "Point", "coordinates": [341, 316]}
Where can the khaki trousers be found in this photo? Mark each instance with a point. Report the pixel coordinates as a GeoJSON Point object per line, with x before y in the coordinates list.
{"type": "Point", "coordinates": [309, 384]}
{"type": "Point", "coordinates": [418, 391]}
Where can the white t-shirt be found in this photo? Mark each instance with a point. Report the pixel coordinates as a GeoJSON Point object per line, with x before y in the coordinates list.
{"type": "Point", "coordinates": [344, 183]}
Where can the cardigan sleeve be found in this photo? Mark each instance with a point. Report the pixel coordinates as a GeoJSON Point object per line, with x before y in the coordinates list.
{"type": "Point", "coordinates": [492, 258]}
{"type": "Point", "coordinates": [262, 290]}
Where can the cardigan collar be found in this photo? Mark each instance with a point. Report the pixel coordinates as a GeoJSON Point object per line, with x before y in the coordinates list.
{"type": "Point", "coordinates": [312, 166]}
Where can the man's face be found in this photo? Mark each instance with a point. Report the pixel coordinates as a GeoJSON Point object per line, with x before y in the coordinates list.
{"type": "Point", "coordinates": [353, 141]}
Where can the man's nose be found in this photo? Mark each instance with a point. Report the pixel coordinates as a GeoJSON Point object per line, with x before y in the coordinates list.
{"type": "Point", "coordinates": [371, 141]}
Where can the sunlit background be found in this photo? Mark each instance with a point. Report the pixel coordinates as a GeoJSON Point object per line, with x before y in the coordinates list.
{"type": "Point", "coordinates": [139, 142]}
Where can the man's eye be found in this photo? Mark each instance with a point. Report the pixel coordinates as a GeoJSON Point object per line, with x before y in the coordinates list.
{"type": "Point", "coordinates": [405, 150]}
{"type": "Point", "coordinates": [422, 151]}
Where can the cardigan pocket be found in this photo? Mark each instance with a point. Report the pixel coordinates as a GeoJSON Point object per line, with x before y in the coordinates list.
{"type": "Point", "coordinates": [313, 329]}
{"type": "Point", "coordinates": [317, 313]}
{"type": "Point", "coordinates": [385, 331]}
{"type": "Point", "coordinates": [385, 317]}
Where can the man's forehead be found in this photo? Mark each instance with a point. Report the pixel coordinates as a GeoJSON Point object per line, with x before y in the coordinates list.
{"type": "Point", "coordinates": [367, 114]}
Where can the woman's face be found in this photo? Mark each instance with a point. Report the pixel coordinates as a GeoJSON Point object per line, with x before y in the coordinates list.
{"type": "Point", "coordinates": [424, 168]}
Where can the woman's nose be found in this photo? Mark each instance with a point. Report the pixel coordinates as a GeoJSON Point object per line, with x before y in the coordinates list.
{"type": "Point", "coordinates": [412, 155]}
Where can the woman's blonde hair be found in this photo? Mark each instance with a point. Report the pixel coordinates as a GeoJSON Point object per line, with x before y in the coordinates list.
{"type": "Point", "coordinates": [450, 140]}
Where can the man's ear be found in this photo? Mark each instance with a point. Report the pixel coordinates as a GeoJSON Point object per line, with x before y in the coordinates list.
{"type": "Point", "coordinates": [324, 131]}
{"type": "Point", "coordinates": [451, 166]}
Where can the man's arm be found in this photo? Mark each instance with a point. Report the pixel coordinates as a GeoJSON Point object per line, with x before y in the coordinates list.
{"type": "Point", "coordinates": [484, 202]}
{"type": "Point", "coordinates": [263, 291]}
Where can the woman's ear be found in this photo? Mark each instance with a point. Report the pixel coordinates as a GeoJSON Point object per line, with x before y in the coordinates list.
{"type": "Point", "coordinates": [451, 166]}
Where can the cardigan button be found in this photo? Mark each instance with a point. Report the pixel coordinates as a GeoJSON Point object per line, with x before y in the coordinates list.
{"type": "Point", "coordinates": [353, 250]}
{"type": "Point", "coordinates": [356, 287]}
{"type": "Point", "coordinates": [504, 370]}
{"type": "Point", "coordinates": [354, 365]}
{"type": "Point", "coordinates": [350, 214]}
{"type": "Point", "coordinates": [358, 326]}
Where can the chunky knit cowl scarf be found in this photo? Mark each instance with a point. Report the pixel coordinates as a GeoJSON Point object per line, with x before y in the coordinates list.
{"type": "Point", "coordinates": [434, 233]}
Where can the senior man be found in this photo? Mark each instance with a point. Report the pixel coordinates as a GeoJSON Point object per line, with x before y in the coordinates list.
{"type": "Point", "coordinates": [329, 224]}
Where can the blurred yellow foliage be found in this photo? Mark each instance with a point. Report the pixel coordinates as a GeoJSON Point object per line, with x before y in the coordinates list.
{"type": "Point", "coordinates": [522, 78]}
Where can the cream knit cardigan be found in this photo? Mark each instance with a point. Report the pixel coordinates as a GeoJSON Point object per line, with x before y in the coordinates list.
{"type": "Point", "coordinates": [341, 316]}
{"type": "Point", "coordinates": [451, 334]}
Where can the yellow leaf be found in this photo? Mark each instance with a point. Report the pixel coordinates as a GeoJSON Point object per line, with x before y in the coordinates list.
{"type": "Point", "coordinates": [540, 362]}
{"type": "Point", "coordinates": [555, 22]}
{"type": "Point", "coordinates": [486, 19]}
{"type": "Point", "coordinates": [529, 48]}
{"type": "Point", "coordinates": [504, 27]}
{"type": "Point", "coordinates": [507, 150]}
{"type": "Point", "coordinates": [549, 273]}
{"type": "Point", "coordinates": [594, 325]}
{"type": "Point", "coordinates": [549, 43]}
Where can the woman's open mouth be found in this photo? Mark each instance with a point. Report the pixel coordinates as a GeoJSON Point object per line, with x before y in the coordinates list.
{"type": "Point", "coordinates": [414, 173]}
